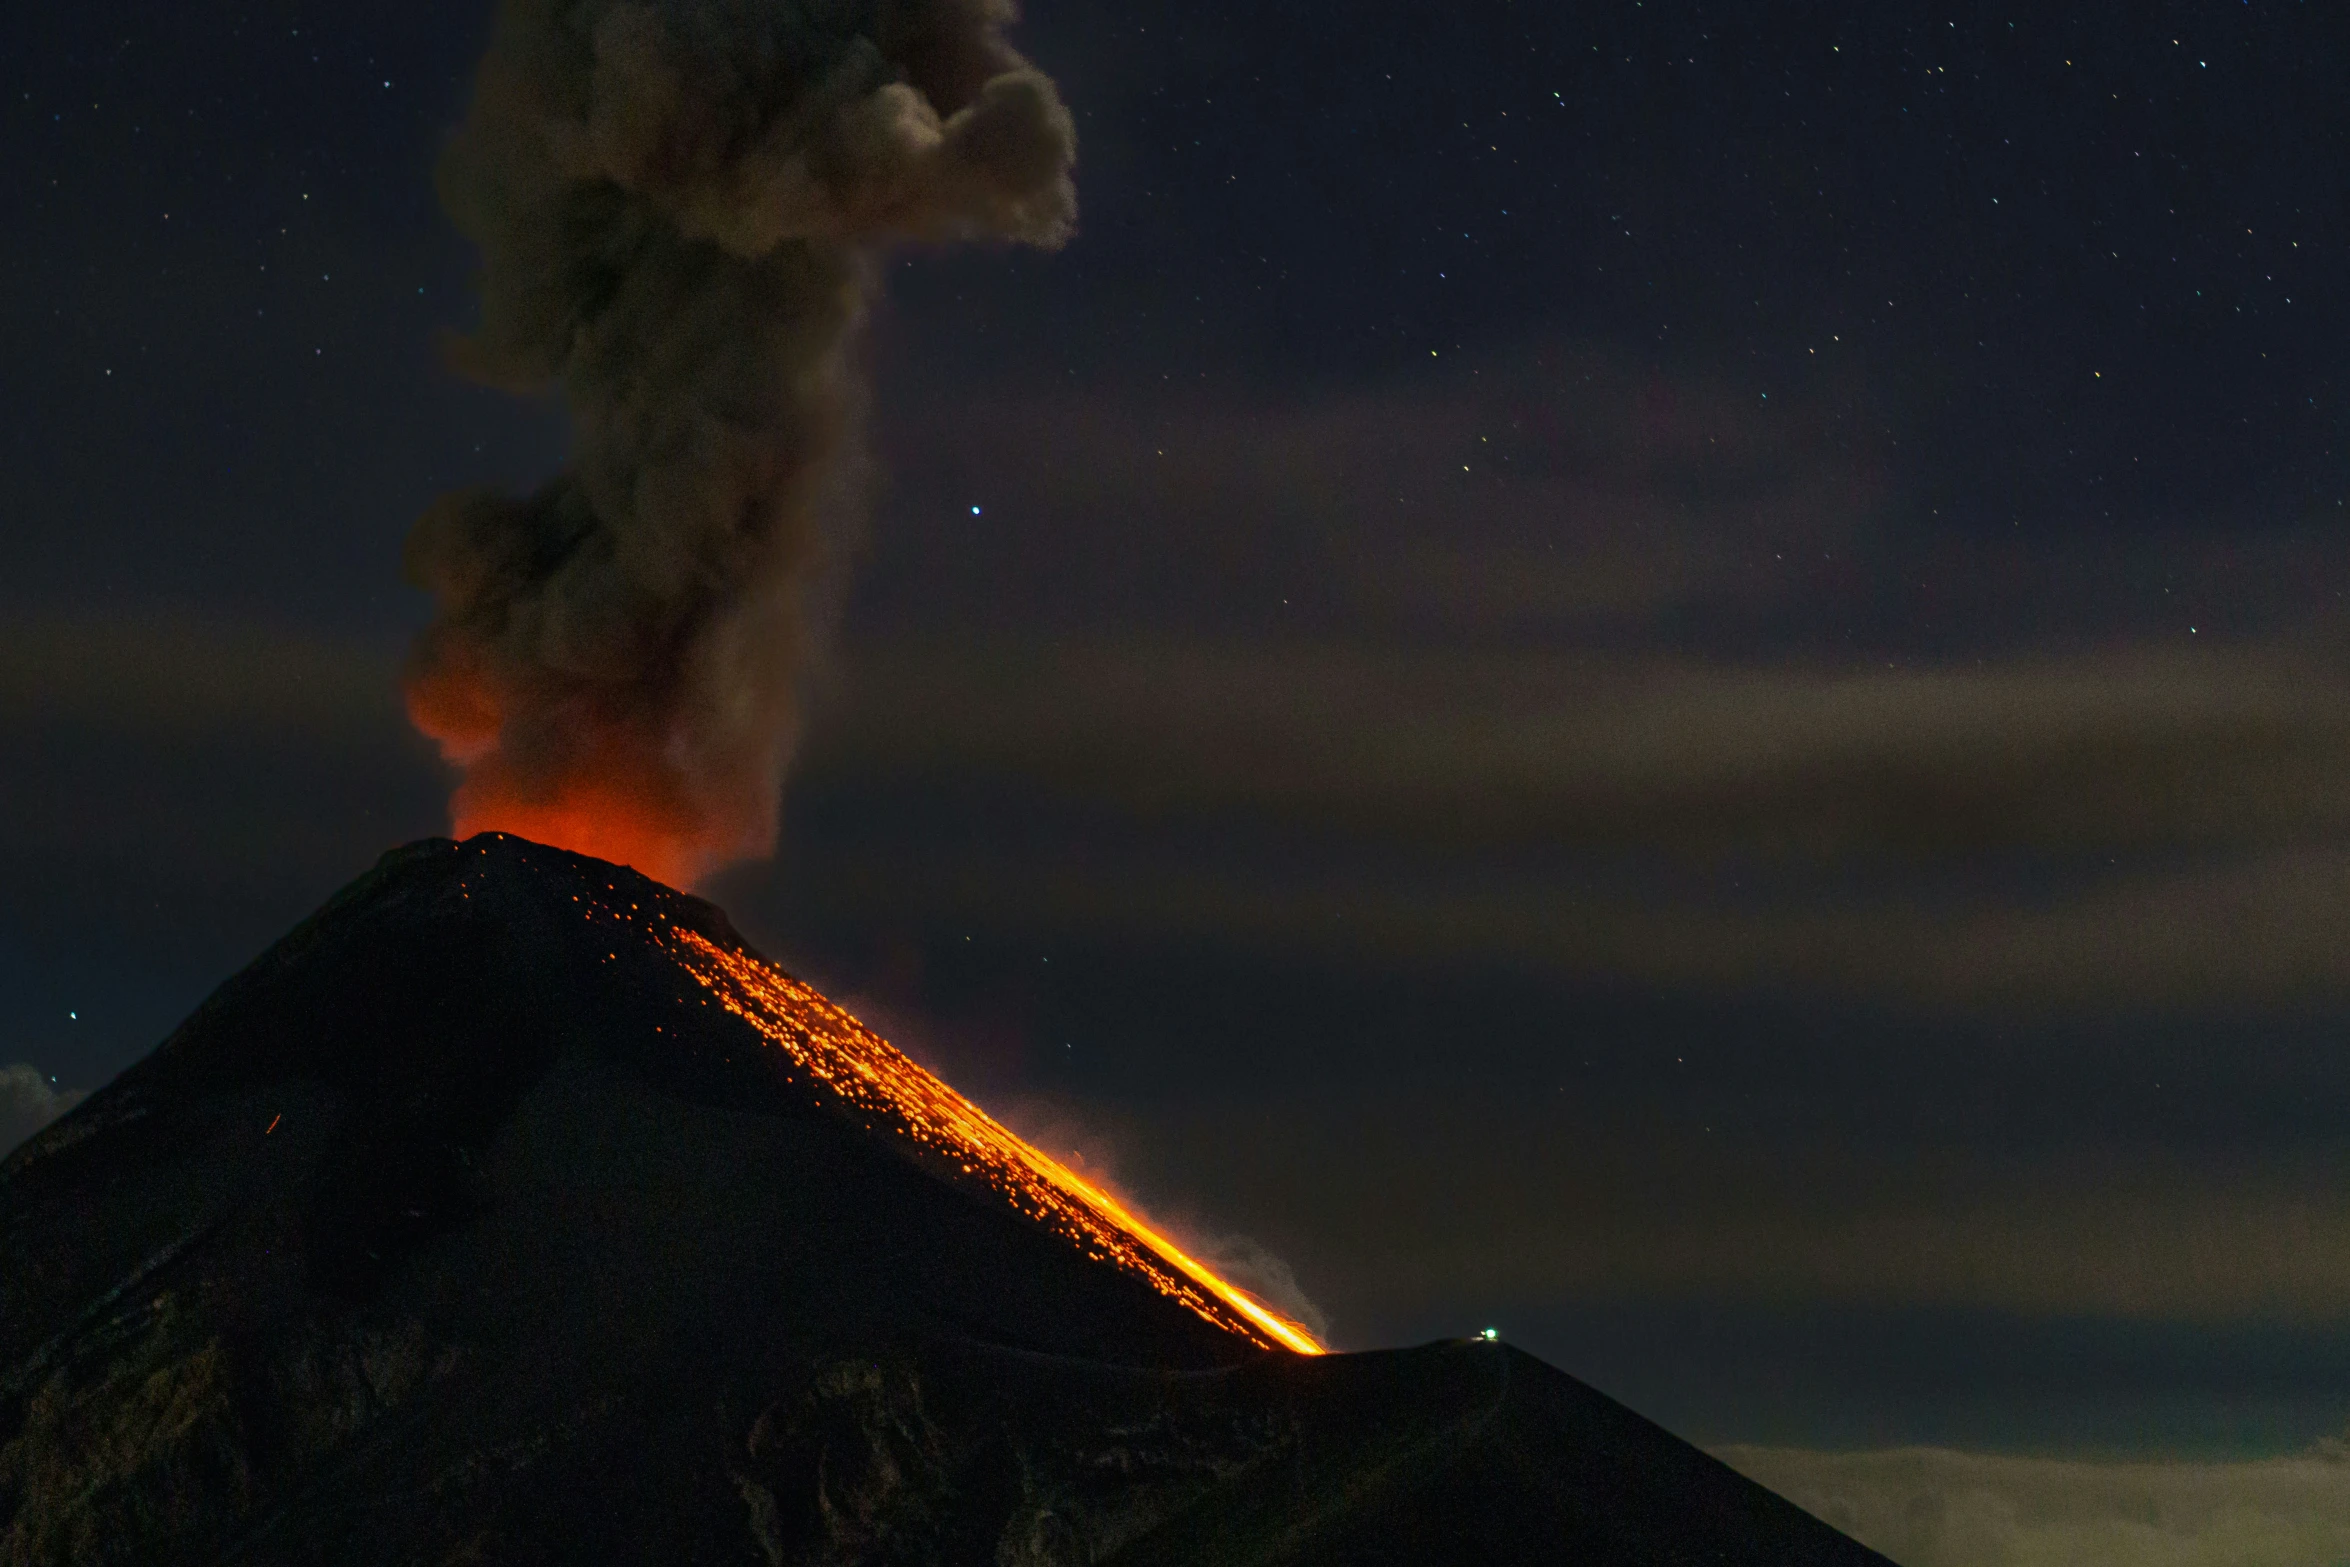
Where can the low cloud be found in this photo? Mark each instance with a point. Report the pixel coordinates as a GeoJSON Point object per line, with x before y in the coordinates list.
{"type": "Point", "coordinates": [2113, 752]}
{"type": "Point", "coordinates": [161, 675]}
{"type": "Point", "coordinates": [28, 1102]}
{"type": "Point", "coordinates": [1543, 660]}
{"type": "Point", "coordinates": [1547, 492]}
{"type": "Point", "coordinates": [180, 789]}
{"type": "Point", "coordinates": [148, 747]}
{"type": "Point", "coordinates": [1548, 489]}
{"type": "Point", "coordinates": [1394, 1211]}
{"type": "Point", "coordinates": [1925, 1507]}
{"type": "Point", "coordinates": [2133, 827]}
{"type": "Point", "coordinates": [2129, 827]}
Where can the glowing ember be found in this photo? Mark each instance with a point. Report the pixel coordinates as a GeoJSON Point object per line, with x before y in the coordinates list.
{"type": "Point", "coordinates": [622, 803]}
{"type": "Point", "coordinates": [875, 1078]}
{"type": "Point", "coordinates": [615, 827]}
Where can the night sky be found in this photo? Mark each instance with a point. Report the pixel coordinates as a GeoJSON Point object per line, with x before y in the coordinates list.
{"type": "Point", "coordinates": [1671, 677]}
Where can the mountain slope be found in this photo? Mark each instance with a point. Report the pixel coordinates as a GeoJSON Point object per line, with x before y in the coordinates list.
{"type": "Point", "coordinates": [510, 1210]}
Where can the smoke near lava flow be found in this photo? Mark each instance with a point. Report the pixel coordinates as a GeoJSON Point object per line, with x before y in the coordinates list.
{"type": "Point", "coordinates": [680, 206]}
{"type": "Point", "coordinates": [870, 1078]}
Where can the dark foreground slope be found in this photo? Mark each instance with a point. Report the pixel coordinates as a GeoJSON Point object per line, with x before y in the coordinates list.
{"type": "Point", "coordinates": [460, 1229]}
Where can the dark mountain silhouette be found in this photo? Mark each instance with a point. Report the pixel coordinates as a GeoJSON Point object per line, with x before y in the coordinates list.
{"type": "Point", "coordinates": [474, 1224]}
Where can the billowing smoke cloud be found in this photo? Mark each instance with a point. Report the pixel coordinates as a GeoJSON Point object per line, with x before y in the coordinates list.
{"type": "Point", "coordinates": [28, 1102]}
{"type": "Point", "coordinates": [679, 204]}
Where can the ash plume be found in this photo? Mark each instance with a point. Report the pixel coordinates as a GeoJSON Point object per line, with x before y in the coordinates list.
{"type": "Point", "coordinates": [679, 205]}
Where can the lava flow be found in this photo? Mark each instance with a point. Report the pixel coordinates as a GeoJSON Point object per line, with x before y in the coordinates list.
{"type": "Point", "coordinates": [877, 1079]}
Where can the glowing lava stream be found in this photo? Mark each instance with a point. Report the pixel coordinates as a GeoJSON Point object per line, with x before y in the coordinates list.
{"type": "Point", "coordinates": [875, 1076]}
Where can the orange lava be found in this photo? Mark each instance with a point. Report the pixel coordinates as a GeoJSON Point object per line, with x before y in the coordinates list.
{"type": "Point", "coordinates": [875, 1078]}
{"type": "Point", "coordinates": [610, 826]}
{"type": "Point", "coordinates": [607, 791]}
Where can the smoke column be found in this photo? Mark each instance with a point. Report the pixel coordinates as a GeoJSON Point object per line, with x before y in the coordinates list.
{"type": "Point", "coordinates": [680, 205]}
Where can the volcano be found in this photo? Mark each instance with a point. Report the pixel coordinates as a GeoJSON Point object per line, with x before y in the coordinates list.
{"type": "Point", "coordinates": [513, 1210]}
